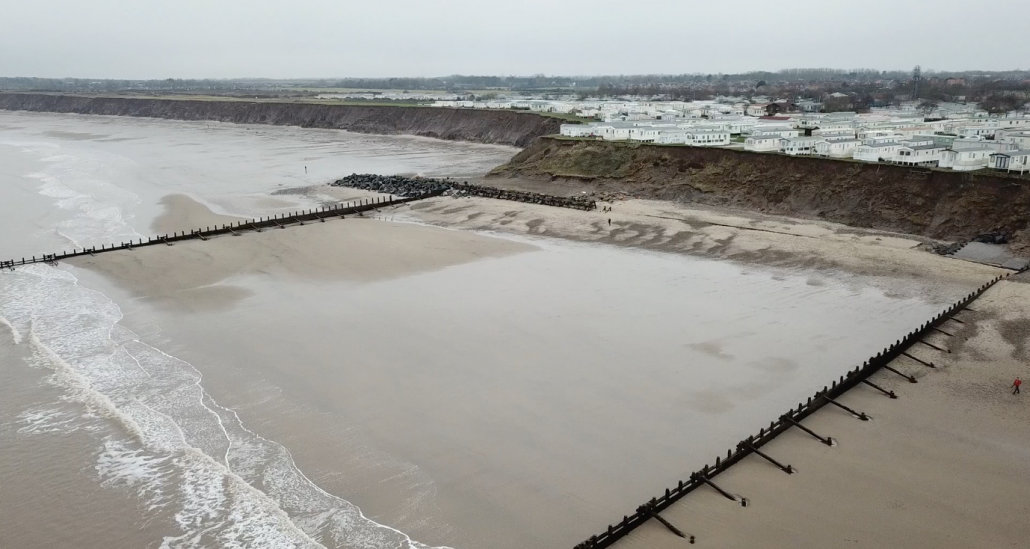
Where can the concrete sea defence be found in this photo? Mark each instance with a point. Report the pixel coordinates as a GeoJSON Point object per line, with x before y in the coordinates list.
{"type": "Point", "coordinates": [415, 186]}
{"type": "Point", "coordinates": [479, 126]}
{"type": "Point", "coordinates": [938, 204]}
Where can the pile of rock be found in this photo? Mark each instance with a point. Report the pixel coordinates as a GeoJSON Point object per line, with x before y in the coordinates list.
{"type": "Point", "coordinates": [992, 238]}
{"type": "Point", "coordinates": [946, 248]}
{"type": "Point", "coordinates": [416, 186]}
{"type": "Point", "coordinates": [393, 184]}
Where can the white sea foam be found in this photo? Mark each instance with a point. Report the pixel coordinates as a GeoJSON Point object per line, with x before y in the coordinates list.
{"type": "Point", "coordinates": [36, 421]}
{"type": "Point", "coordinates": [228, 486]}
{"type": "Point", "coordinates": [15, 334]}
{"type": "Point", "coordinates": [98, 205]}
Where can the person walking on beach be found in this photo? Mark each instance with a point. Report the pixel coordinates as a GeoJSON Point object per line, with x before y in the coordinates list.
{"type": "Point", "coordinates": [1015, 386]}
{"type": "Point", "coordinates": [609, 222]}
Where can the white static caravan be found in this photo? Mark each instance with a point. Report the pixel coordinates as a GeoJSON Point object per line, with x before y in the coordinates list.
{"type": "Point", "coordinates": [919, 155]}
{"type": "Point", "coordinates": [708, 138]}
{"type": "Point", "coordinates": [880, 152]}
{"type": "Point", "coordinates": [758, 109]}
{"type": "Point", "coordinates": [673, 136]}
{"type": "Point", "coordinates": [1011, 161]}
{"type": "Point", "coordinates": [762, 143]}
{"type": "Point", "coordinates": [1020, 139]}
{"type": "Point", "coordinates": [645, 134]}
{"type": "Point", "coordinates": [837, 148]}
{"type": "Point", "coordinates": [577, 130]}
{"type": "Point", "coordinates": [784, 132]}
{"type": "Point", "coordinates": [978, 130]}
{"type": "Point", "coordinates": [848, 133]}
{"type": "Point", "coordinates": [614, 131]}
{"type": "Point", "coordinates": [799, 146]}
{"type": "Point", "coordinates": [966, 160]}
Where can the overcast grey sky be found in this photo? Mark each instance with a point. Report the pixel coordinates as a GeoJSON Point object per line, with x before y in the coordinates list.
{"type": "Point", "coordinates": [331, 38]}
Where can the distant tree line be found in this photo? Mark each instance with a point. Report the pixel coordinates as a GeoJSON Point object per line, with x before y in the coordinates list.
{"type": "Point", "coordinates": [864, 88]}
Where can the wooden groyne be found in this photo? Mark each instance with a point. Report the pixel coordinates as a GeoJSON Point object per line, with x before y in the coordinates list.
{"type": "Point", "coordinates": [791, 419]}
{"type": "Point", "coordinates": [278, 221]}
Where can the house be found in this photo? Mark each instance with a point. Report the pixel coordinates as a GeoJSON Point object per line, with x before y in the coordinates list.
{"type": "Point", "coordinates": [763, 143]}
{"type": "Point", "coordinates": [799, 146]}
{"type": "Point", "coordinates": [878, 152]}
{"type": "Point", "coordinates": [837, 148]}
{"type": "Point", "coordinates": [1010, 161]}
{"type": "Point", "coordinates": [919, 155]}
{"type": "Point", "coordinates": [966, 159]}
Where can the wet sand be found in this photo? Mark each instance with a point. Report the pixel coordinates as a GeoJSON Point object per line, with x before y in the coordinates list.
{"type": "Point", "coordinates": [194, 278]}
{"type": "Point", "coordinates": [408, 371]}
{"type": "Point", "coordinates": [943, 466]}
{"type": "Point", "coordinates": [891, 261]}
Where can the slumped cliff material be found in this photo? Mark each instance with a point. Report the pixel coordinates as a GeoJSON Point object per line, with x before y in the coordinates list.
{"type": "Point", "coordinates": [479, 126]}
{"type": "Point", "coordinates": [935, 203]}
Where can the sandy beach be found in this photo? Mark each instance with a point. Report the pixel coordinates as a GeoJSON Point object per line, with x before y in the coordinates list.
{"type": "Point", "coordinates": [815, 247]}
{"type": "Point", "coordinates": [494, 457]}
{"type": "Point", "coordinates": [943, 466]}
{"type": "Point", "coordinates": [469, 373]}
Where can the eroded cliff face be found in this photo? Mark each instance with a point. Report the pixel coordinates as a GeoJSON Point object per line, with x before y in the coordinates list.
{"type": "Point", "coordinates": [478, 126]}
{"type": "Point", "coordinates": [938, 204]}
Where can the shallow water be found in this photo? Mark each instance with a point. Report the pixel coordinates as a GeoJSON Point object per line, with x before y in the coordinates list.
{"type": "Point", "coordinates": [521, 401]}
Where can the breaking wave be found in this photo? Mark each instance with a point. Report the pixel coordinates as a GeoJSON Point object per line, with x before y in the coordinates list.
{"type": "Point", "coordinates": [180, 450]}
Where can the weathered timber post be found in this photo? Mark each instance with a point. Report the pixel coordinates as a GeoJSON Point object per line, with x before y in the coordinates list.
{"type": "Point", "coordinates": [827, 440]}
{"type": "Point", "coordinates": [785, 468]}
{"type": "Point", "coordinates": [934, 346]}
{"type": "Point", "coordinates": [923, 362]}
{"type": "Point", "coordinates": [909, 378]}
{"type": "Point", "coordinates": [860, 415]}
{"type": "Point", "coordinates": [704, 478]}
{"type": "Point", "coordinates": [878, 388]}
